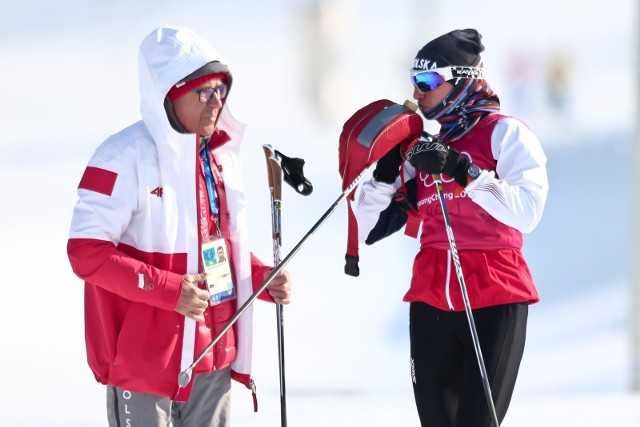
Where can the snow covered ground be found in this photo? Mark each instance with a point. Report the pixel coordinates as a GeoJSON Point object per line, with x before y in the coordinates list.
{"type": "Point", "coordinates": [69, 80]}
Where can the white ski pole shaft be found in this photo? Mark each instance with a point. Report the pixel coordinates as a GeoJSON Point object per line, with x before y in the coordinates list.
{"type": "Point", "coordinates": [465, 298]}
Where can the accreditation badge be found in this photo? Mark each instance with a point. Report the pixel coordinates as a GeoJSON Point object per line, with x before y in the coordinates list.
{"type": "Point", "coordinates": [215, 258]}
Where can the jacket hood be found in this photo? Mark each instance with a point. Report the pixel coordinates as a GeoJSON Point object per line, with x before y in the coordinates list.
{"type": "Point", "coordinates": [167, 56]}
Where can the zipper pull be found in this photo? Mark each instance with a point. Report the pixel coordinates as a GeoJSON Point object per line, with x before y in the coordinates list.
{"type": "Point", "coordinates": [216, 221]}
{"type": "Point", "coordinates": [254, 395]}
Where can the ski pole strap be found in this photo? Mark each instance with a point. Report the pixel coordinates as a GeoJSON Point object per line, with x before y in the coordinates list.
{"type": "Point", "coordinates": [351, 257]}
{"type": "Point", "coordinates": [405, 197]}
{"type": "Point", "coordinates": [412, 227]}
{"type": "Point", "coordinates": [292, 169]}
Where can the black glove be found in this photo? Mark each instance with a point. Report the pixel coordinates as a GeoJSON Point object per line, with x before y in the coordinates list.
{"type": "Point", "coordinates": [388, 167]}
{"type": "Point", "coordinates": [433, 157]}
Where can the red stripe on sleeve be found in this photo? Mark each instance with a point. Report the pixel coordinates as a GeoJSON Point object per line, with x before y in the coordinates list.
{"type": "Point", "coordinates": [98, 180]}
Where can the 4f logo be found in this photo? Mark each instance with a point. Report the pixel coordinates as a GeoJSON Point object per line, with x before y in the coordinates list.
{"type": "Point", "coordinates": [157, 191]}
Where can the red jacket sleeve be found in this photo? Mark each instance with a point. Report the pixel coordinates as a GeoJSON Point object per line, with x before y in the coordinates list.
{"type": "Point", "coordinates": [258, 274]}
{"type": "Point", "coordinates": [100, 263]}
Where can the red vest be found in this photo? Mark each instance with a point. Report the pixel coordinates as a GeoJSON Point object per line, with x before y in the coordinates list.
{"type": "Point", "coordinates": [473, 227]}
{"type": "Point", "coordinates": [494, 269]}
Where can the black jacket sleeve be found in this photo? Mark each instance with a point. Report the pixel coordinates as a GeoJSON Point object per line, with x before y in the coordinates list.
{"type": "Point", "coordinates": [394, 217]}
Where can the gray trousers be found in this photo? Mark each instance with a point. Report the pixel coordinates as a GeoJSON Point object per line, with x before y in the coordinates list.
{"type": "Point", "coordinates": [208, 405]}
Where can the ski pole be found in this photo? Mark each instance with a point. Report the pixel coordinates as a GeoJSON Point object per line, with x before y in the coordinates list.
{"type": "Point", "coordinates": [465, 298]}
{"type": "Point", "coordinates": [185, 376]}
{"type": "Point", "coordinates": [274, 175]}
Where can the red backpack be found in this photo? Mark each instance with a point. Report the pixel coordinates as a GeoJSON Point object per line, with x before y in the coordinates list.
{"type": "Point", "coordinates": [367, 136]}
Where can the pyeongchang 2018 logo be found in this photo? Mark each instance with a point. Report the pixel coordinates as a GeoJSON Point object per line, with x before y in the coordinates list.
{"type": "Point", "coordinates": [427, 181]}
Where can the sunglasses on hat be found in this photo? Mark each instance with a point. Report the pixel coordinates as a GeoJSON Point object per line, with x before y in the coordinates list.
{"type": "Point", "coordinates": [426, 81]}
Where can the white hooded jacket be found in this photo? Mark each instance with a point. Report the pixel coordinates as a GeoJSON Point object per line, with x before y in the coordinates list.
{"type": "Point", "coordinates": [135, 232]}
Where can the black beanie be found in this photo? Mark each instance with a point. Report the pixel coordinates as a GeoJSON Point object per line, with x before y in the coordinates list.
{"type": "Point", "coordinates": [459, 47]}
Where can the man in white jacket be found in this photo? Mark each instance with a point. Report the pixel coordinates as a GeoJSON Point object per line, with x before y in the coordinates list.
{"type": "Point", "coordinates": [154, 200]}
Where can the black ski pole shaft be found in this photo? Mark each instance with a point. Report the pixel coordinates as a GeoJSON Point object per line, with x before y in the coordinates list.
{"type": "Point", "coordinates": [274, 175]}
{"type": "Point", "coordinates": [465, 299]}
{"type": "Point", "coordinates": [185, 376]}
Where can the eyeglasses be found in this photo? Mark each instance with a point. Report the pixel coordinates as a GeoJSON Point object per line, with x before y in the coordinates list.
{"type": "Point", "coordinates": [426, 81]}
{"type": "Point", "coordinates": [206, 94]}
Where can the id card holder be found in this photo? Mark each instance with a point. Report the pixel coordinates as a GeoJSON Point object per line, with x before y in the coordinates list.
{"type": "Point", "coordinates": [215, 259]}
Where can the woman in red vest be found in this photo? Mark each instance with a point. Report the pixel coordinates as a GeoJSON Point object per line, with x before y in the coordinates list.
{"type": "Point", "coordinates": [495, 186]}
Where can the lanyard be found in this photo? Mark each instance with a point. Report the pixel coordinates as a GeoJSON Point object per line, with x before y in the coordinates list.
{"type": "Point", "coordinates": [208, 179]}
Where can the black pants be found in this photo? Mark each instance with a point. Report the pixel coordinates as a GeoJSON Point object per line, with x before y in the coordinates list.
{"type": "Point", "coordinates": [444, 368]}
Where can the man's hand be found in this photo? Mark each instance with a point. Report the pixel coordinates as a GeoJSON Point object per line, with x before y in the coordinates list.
{"type": "Point", "coordinates": [193, 300]}
{"type": "Point", "coordinates": [280, 287]}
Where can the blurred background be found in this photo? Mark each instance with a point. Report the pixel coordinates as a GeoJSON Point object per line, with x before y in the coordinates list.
{"type": "Point", "coordinates": [301, 69]}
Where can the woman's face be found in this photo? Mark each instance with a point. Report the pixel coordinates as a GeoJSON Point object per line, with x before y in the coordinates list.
{"type": "Point", "coordinates": [429, 99]}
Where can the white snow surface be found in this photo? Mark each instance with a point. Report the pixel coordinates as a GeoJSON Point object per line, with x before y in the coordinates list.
{"type": "Point", "coordinates": [69, 76]}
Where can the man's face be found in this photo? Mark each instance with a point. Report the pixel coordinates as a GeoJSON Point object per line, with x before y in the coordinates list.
{"type": "Point", "coordinates": [220, 253]}
{"type": "Point", "coordinates": [195, 116]}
